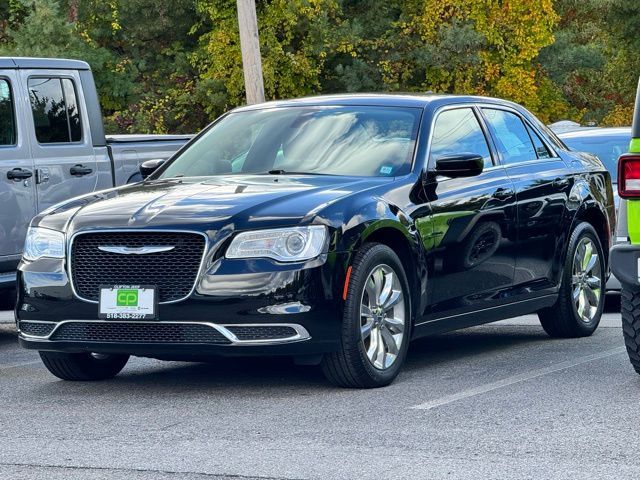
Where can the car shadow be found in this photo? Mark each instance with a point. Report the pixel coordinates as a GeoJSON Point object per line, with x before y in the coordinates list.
{"type": "Point", "coordinates": [465, 344]}
{"type": "Point", "coordinates": [238, 376]}
{"type": "Point", "coordinates": [8, 334]}
{"type": "Point", "coordinates": [612, 303]}
{"type": "Point", "coordinates": [244, 375]}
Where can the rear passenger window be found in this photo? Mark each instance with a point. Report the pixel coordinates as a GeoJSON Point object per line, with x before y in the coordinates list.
{"type": "Point", "coordinates": [513, 140]}
{"type": "Point", "coordinates": [541, 149]}
{"type": "Point", "coordinates": [56, 115]}
{"type": "Point", "coordinates": [7, 115]}
{"type": "Point", "coordinates": [458, 131]}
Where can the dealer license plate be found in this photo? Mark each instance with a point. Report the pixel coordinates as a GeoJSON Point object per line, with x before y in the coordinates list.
{"type": "Point", "coordinates": [128, 302]}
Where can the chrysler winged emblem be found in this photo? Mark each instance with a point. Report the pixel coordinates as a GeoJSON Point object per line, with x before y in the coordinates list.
{"type": "Point", "coordinates": [136, 250]}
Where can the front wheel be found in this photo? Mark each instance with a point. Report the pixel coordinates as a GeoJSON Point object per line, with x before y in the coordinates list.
{"type": "Point", "coordinates": [578, 309]}
{"type": "Point", "coordinates": [376, 322]}
{"type": "Point", "coordinates": [83, 366]}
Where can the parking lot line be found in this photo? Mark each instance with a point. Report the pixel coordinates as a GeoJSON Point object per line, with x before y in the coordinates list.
{"type": "Point", "coordinates": [505, 382]}
{"type": "Point", "coordinates": [16, 365]}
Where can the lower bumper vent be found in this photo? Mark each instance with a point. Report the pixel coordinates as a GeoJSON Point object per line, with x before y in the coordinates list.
{"type": "Point", "coordinates": [139, 333]}
{"type": "Point", "coordinates": [36, 329]}
{"type": "Point", "coordinates": [262, 333]}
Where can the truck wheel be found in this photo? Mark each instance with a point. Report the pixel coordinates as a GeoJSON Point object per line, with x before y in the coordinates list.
{"type": "Point", "coordinates": [630, 308]}
{"type": "Point", "coordinates": [376, 323]}
{"type": "Point", "coordinates": [83, 366]}
{"type": "Point", "coordinates": [578, 309]}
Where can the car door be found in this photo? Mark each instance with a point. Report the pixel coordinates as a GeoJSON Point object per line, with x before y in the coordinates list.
{"type": "Point", "coordinates": [17, 191]}
{"type": "Point", "coordinates": [470, 250]}
{"type": "Point", "coordinates": [542, 181]}
{"type": "Point", "coordinates": [61, 146]}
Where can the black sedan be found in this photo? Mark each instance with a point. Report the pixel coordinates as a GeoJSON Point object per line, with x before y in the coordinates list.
{"type": "Point", "coordinates": [330, 229]}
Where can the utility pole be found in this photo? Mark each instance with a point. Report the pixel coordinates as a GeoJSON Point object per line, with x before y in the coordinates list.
{"type": "Point", "coordinates": [250, 46]}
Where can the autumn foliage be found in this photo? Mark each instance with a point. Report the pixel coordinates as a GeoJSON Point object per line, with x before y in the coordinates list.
{"type": "Point", "coordinates": [174, 66]}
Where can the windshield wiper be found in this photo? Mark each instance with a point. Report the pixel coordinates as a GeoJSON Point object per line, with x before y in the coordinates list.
{"type": "Point", "coordinates": [279, 171]}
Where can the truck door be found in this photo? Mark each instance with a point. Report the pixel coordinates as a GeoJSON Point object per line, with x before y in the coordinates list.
{"type": "Point", "coordinates": [61, 144]}
{"type": "Point", "coordinates": [17, 190]}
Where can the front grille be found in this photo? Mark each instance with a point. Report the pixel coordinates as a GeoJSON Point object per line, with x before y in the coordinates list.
{"type": "Point", "coordinates": [268, 332]}
{"type": "Point", "coordinates": [138, 333]}
{"type": "Point", "coordinates": [173, 273]}
{"type": "Point", "coordinates": [36, 329]}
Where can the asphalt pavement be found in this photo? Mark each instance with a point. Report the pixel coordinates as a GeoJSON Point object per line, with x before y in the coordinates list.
{"type": "Point", "coordinates": [497, 401]}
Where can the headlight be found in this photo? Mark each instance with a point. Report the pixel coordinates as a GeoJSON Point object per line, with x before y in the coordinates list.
{"type": "Point", "coordinates": [42, 242]}
{"type": "Point", "coordinates": [283, 244]}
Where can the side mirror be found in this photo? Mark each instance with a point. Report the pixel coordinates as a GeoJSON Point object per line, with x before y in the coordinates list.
{"type": "Point", "coordinates": [150, 166]}
{"type": "Point", "coordinates": [461, 165]}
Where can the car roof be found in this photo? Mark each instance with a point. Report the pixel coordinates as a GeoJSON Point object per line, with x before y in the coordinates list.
{"type": "Point", "coordinates": [594, 132]}
{"type": "Point", "coordinates": [43, 63]}
{"type": "Point", "coordinates": [380, 99]}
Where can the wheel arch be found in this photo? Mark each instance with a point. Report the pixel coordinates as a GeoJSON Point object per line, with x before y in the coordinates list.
{"type": "Point", "coordinates": [593, 215]}
{"type": "Point", "coordinates": [408, 250]}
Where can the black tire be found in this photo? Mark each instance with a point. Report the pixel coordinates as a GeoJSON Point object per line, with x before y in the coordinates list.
{"type": "Point", "coordinates": [630, 308]}
{"type": "Point", "coordinates": [562, 320]}
{"type": "Point", "coordinates": [350, 367]}
{"type": "Point", "coordinates": [83, 366]}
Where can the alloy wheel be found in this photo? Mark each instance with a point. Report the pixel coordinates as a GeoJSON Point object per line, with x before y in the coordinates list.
{"type": "Point", "coordinates": [382, 317]}
{"type": "Point", "coordinates": [586, 281]}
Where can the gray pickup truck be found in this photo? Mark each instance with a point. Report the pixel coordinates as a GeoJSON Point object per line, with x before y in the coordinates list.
{"type": "Point", "coordinates": [53, 146]}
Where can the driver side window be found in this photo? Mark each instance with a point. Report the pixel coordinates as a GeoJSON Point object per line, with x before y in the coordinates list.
{"type": "Point", "coordinates": [458, 131]}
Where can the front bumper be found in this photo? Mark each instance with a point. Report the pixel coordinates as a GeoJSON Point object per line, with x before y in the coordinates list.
{"type": "Point", "coordinates": [271, 310]}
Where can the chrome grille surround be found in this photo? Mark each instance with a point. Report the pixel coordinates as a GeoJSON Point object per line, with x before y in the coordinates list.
{"type": "Point", "coordinates": [69, 258]}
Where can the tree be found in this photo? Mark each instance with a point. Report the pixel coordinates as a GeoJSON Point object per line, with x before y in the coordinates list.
{"type": "Point", "coordinates": [45, 32]}
{"type": "Point", "coordinates": [295, 38]}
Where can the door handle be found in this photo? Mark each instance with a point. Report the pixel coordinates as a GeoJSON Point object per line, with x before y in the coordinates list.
{"type": "Point", "coordinates": [561, 182]}
{"type": "Point", "coordinates": [19, 174]}
{"type": "Point", "coordinates": [79, 170]}
{"type": "Point", "coordinates": [503, 194]}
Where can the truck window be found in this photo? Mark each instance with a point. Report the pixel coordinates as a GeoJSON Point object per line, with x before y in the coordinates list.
{"type": "Point", "coordinates": [56, 115]}
{"type": "Point", "coordinates": [7, 116]}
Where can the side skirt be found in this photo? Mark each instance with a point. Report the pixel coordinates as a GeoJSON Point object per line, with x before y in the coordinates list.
{"type": "Point", "coordinates": [480, 317]}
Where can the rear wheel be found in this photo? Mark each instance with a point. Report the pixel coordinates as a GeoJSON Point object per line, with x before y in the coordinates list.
{"type": "Point", "coordinates": [578, 309]}
{"type": "Point", "coordinates": [630, 308]}
{"type": "Point", "coordinates": [376, 322]}
{"type": "Point", "coordinates": [83, 366]}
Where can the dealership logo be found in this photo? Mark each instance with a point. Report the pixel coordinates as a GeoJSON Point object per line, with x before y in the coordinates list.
{"type": "Point", "coordinates": [136, 250]}
{"type": "Point", "coordinates": [127, 298]}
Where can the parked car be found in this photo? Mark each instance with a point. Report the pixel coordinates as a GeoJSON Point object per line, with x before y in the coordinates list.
{"type": "Point", "coordinates": [608, 144]}
{"type": "Point", "coordinates": [53, 146]}
{"type": "Point", "coordinates": [332, 229]}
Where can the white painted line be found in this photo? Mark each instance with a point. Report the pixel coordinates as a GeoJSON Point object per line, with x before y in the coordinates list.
{"type": "Point", "coordinates": [505, 382]}
{"type": "Point", "coordinates": [19, 365]}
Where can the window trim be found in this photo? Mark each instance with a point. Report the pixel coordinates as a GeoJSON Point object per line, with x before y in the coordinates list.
{"type": "Point", "coordinates": [15, 114]}
{"type": "Point", "coordinates": [64, 97]}
{"type": "Point", "coordinates": [554, 153]}
{"type": "Point", "coordinates": [483, 127]}
{"type": "Point", "coordinates": [530, 132]}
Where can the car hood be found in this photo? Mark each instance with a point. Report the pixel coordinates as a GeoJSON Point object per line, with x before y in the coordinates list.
{"type": "Point", "coordinates": [241, 200]}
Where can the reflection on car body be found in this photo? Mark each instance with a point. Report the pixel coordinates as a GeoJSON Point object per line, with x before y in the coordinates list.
{"type": "Point", "coordinates": [346, 227]}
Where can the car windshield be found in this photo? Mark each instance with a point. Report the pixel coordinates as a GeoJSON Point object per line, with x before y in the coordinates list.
{"type": "Point", "coordinates": [607, 148]}
{"type": "Point", "coordinates": [341, 140]}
